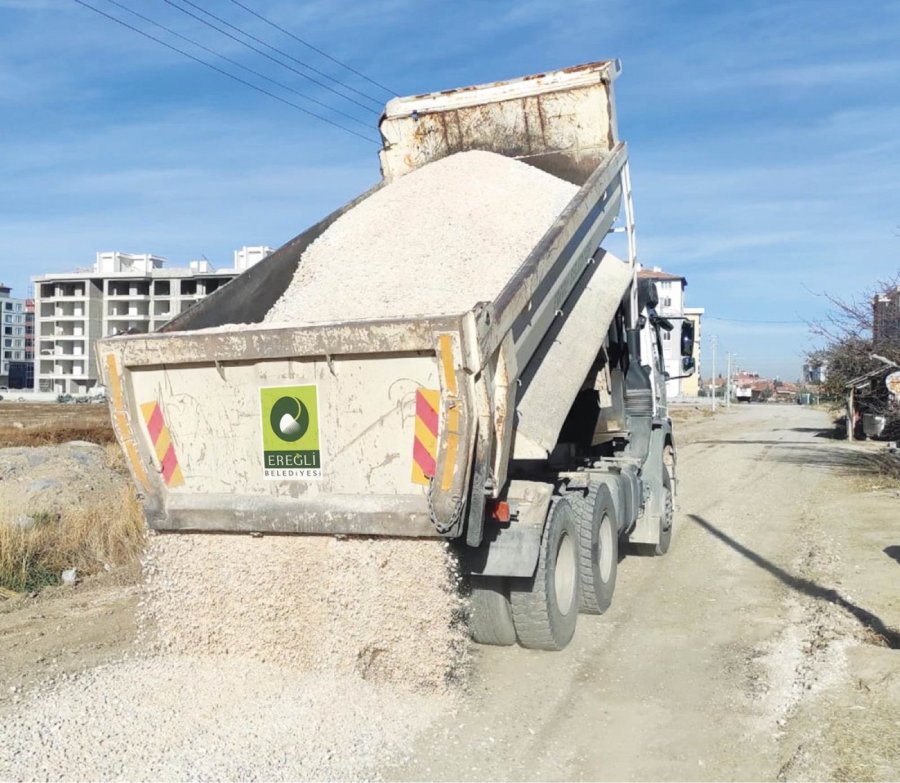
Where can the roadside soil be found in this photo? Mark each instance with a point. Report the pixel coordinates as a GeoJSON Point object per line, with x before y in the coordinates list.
{"type": "Point", "coordinates": [762, 647]}
{"type": "Point", "coordinates": [64, 630]}
{"type": "Point", "coordinates": [38, 415]}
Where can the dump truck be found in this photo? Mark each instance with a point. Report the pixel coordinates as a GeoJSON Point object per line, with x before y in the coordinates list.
{"type": "Point", "coordinates": [545, 407]}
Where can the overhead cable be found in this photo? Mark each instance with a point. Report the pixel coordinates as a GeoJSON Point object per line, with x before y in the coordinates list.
{"type": "Point", "coordinates": [224, 72]}
{"type": "Point", "coordinates": [274, 49]}
{"type": "Point", "coordinates": [236, 63]}
{"type": "Point", "coordinates": [314, 48]}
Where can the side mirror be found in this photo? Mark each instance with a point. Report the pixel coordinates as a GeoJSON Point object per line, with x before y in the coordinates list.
{"type": "Point", "coordinates": [687, 364]}
{"type": "Point", "coordinates": [687, 338]}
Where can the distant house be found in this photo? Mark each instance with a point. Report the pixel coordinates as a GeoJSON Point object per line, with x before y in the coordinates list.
{"type": "Point", "coordinates": [786, 392]}
{"type": "Point", "coordinates": [815, 371]}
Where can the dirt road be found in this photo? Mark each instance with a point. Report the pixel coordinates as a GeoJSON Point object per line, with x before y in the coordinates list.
{"type": "Point", "coordinates": [745, 653]}
{"type": "Point", "coordinates": [763, 646]}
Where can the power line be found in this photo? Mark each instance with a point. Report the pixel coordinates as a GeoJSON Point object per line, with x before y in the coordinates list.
{"type": "Point", "coordinates": [224, 72]}
{"type": "Point", "coordinates": [236, 63]}
{"type": "Point", "coordinates": [314, 48]}
{"type": "Point", "coordinates": [274, 49]}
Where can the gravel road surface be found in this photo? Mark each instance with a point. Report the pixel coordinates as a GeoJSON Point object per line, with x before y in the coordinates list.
{"type": "Point", "coordinates": [762, 647]}
{"type": "Point", "coordinates": [737, 656]}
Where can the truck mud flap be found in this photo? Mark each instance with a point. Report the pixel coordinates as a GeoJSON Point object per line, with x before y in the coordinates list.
{"type": "Point", "coordinates": [512, 549]}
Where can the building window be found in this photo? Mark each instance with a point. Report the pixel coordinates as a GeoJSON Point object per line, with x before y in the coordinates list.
{"type": "Point", "coordinates": [666, 302]}
{"type": "Point", "coordinates": [667, 336]}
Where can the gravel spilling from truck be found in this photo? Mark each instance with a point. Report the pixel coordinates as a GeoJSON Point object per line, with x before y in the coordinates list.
{"type": "Point", "coordinates": [195, 718]}
{"type": "Point", "coordinates": [384, 609]}
{"type": "Point", "coordinates": [433, 242]}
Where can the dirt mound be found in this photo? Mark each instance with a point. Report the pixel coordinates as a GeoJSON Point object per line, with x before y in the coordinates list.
{"type": "Point", "coordinates": [46, 481]}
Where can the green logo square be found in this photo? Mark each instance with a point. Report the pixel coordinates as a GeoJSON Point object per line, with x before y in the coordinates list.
{"type": "Point", "coordinates": [290, 432]}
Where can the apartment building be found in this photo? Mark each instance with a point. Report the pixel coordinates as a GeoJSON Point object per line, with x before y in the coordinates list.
{"type": "Point", "coordinates": [671, 304]}
{"type": "Point", "coordinates": [14, 326]}
{"type": "Point", "coordinates": [122, 292]}
{"type": "Point", "coordinates": [886, 320]}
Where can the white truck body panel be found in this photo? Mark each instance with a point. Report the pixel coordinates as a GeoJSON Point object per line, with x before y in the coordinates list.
{"type": "Point", "coordinates": [562, 121]}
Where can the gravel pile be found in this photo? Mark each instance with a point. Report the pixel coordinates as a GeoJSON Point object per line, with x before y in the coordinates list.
{"type": "Point", "coordinates": [191, 718]}
{"type": "Point", "coordinates": [431, 243]}
{"type": "Point", "coordinates": [386, 610]}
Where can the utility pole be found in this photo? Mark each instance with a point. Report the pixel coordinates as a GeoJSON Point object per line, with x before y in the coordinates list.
{"type": "Point", "coordinates": [728, 383]}
{"type": "Point", "coordinates": [715, 343]}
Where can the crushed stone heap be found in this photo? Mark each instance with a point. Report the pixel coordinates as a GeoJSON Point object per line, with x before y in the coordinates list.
{"type": "Point", "coordinates": [434, 242]}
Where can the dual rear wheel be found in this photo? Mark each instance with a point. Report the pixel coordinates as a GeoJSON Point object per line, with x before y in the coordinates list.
{"type": "Point", "coordinates": [576, 571]}
{"type": "Point", "coordinates": [539, 612]}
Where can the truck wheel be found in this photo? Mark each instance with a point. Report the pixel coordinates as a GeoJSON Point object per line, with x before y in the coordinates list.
{"type": "Point", "coordinates": [668, 515]}
{"type": "Point", "coordinates": [545, 607]}
{"type": "Point", "coordinates": [490, 618]}
{"type": "Point", "coordinates": [598, 534]}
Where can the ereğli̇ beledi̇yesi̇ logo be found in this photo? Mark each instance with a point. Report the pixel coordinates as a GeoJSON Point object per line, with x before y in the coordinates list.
{"type": "Point", "coordinates": [290, 426]}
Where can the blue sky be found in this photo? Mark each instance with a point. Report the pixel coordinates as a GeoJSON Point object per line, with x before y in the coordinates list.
{"type": "Point", "coordinates": [764, 137]}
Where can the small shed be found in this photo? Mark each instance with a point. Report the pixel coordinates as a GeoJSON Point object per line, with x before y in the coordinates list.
{"type": "Point", "coordinates": [869, 395]}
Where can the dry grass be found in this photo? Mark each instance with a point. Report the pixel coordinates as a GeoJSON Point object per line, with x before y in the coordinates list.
{"type": "Point", "coordinates": [38, 424]}
{"type": "Point", "coordinates": [877, 470]}
{"type": "Point", "coordinates": [52, 435]}
{"type": "Point", "coordinates": [885, 467]}
{"type": "Point", "coordinates": [106, 535]}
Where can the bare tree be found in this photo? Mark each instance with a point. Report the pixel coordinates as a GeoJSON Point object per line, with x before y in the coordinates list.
{"type": "Point", "coordinates": [850, 350]}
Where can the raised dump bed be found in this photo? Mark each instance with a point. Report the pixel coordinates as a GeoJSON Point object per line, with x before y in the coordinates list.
{"type": "Point", "coordinates": [238, 417]}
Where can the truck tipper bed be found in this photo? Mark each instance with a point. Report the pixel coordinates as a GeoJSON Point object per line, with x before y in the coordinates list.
{"type": "Point", "coordinates": [531, 430]}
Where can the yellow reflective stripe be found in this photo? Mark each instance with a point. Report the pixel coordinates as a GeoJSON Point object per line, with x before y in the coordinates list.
{"type": "Point", "coordinates": [445, 342]}
{"type": "Point", "coordinates": [426, 438]}
{"type": "Point", "coordinates": [162, 445]}
{"type": "Point", "coordinates": [418, 475]}
{"type": "Point", "coordinates": [114, 383]}
{"type": "Point", "coordinates": [452, 448]}
{"type": "Point", "coordinates": [177, 477]}
{"type": "Point", "coordinates": [446, 348]}
{"type": "Point", "coordinates": [122, 423]}
{"type": "Point", "coordinates": [147, 410]}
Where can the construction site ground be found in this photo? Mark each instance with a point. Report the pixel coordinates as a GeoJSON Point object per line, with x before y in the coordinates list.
{"type": "Point", "coordinates": [762, 647]}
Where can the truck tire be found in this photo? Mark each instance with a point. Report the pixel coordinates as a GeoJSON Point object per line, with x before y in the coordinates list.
{"type": "Point", "coordinates": [598, 535]}
{"type": "Point", "coordinates": [668, 516]}
{"type": "Point", "coordinates": [545, 607]}
{"type": "Point", "coordinates": [490, 617]}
